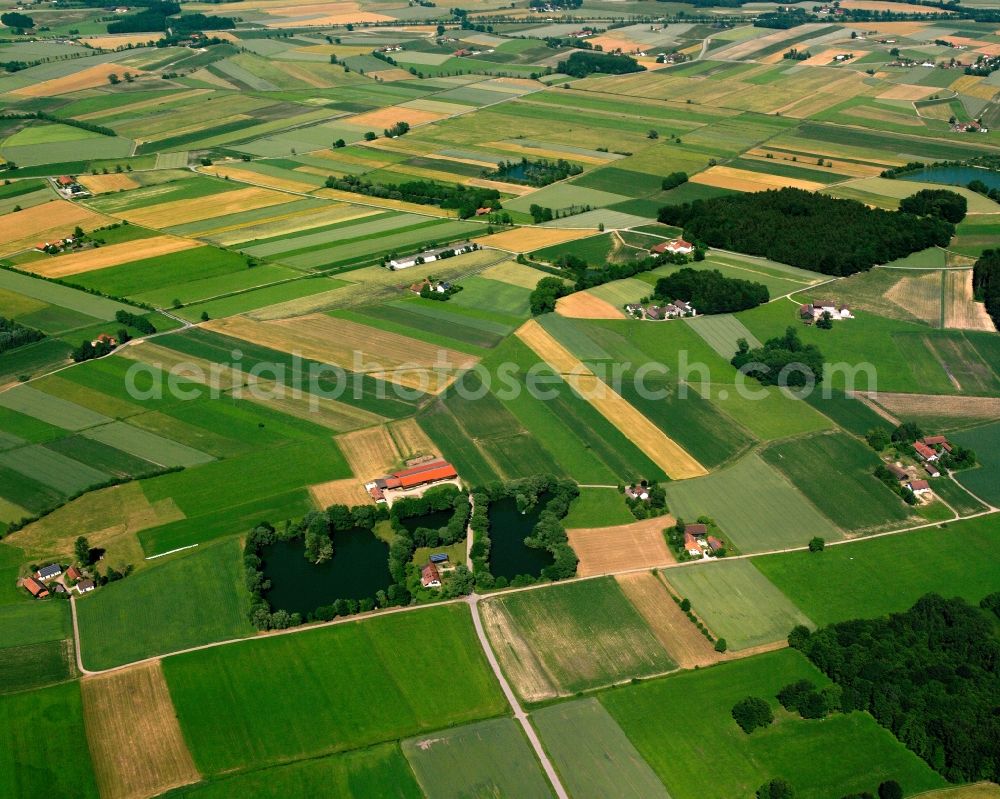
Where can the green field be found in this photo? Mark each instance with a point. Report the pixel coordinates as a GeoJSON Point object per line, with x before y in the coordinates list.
{"type": "Point", "coordinates": [767, 412]}
{"type": "Point", "coordinates": [585, 634]}
{"type": "Point", "coordinates": [594, 758]}
{"type": "Point", "coordinates": [488, 758]}
{"type": "Point", "coordinates": [737, 602]}
{"type": "Point", "coordinates": [849, 494]}
{"type": "Point", "coordinates": [242, 706]}
{"type": "Point", "coordinates": [379, 771]}
{"type": "Point", "coordinates": [983, 481]}
{"type": "Point", "coordinates": [598, 507]}
{"type": "Point", "coordinates": [888, 574]}
{"type": "Point", "coordinates": [42, 742]}
{"type": "Point", "coordinates": [35, 665]}
{"type": "Point", "coordinates": [851, 414]}
{"type": "Point", "coordinates": [682, 726]}
{"type": "Point", "coordinates": [752, 504]}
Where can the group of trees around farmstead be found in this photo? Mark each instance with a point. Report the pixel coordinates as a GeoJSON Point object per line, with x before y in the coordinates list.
{"type": "Point", "coordinates": [654, 505]}
{"type": "Point", "coordinates": [901, 438]}
{"type": "Point", "coordinates": [710, 292]}
{"type": "Point", "coordinates": [13, 334]}
{"type": "Point", "coordinates": [548, 532]}
{"type": "Point", "coordinates": [931, 675]}
{"type": "Point", "coordinates": [783, 360]}
{"type": "Point", "coordinates": [581, 64]}
{"type": "Point", "coordinates": [465, 199]}
{"type": "Point", "coordinates": [807, 229]}
{"type": "Point", "coordinates": [986, 283]}
{"type": "Point", "coordinates": [944, 204]}
{"type": "Point", "coordinates": [537, 173]}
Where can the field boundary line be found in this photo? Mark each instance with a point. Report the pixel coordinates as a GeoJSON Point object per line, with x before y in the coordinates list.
{"type": "Point", "coordinates": [170, 552]}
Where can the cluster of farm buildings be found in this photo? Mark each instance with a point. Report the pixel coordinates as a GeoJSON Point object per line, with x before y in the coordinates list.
{"type": "Point", "coordinates": [51, 579]}
{"type": "Point", "coordinates": [657, 313]}
{"type": "Point", "coordinates": [437, 254]}
{"type": "Point", "coordinates": [68, 187]}
{"type": "Point", "coordinates": [698, 543]}
{"type": "Point", "coordinates": [813, 311]}
{"type": "Point", "coordinates": [421, 475]}
{"type": "Point", "coordinates": [928, 451]}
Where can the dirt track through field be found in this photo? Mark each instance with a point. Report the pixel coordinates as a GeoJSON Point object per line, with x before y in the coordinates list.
{"type": "Point", "coordinates": [603, 550]}
{"type": "Point", "coordinates": [135, 741]}
{"type": "Point", "coordinates": [519, 662]}
{"type": "Point", "coordinates": [103, 257]}
{"type": "Point", "coordinates": [683, 641]}
{"type": "Point", "coordinates": [961, 311]}
{"type": "Point", "coordinates": [410, 439]}
{"type": "Point", "coordinates": [662, 450]}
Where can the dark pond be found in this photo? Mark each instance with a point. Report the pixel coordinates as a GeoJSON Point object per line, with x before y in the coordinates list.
{"type": "Point", "coordinates": [509, 556]}
{"type": "Point", "coordinates": [516, 171]}
{"type": "Point", "coordinates": [955, 176]}
{"type": "Point", "coordinates": [432, 521]}
{"type": "Point", "coordinates": [358, 569]}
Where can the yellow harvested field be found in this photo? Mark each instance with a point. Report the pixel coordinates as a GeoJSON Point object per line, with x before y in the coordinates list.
{"type": "Point", "coordinates": [112, 255]}
{"type": "Point", "coordinates": [611, 43]}
{"type": "Point", "coordinates": [387, 117]}
{"type": "Point", "coordinates": [727, 177]}
{"type": "Point", "coordinates": [529, 239]}
{"type": "Point", "coordinates": [973, 86]}
{"type": "Point", "coordinates": [383, 202]}
{"type": "Point", "coordinates": [519, 662]}
{"type": "Point", "coordinates": [101, 184]}
{"type": "Point", "coordinates": [901, 28]}
{"type": "Point", "coordinates": [961, 311]}
{"type": "Point", "coordinates": [884, 5]}
{"type": "Point", "coordinates": [284, 223]}
{"type": "Point", "coordinates": [604, 550]}
{"type": "Point", "coordinates": [339, 492]}
{"type": "Point", "coordinates": [337, 416]}
{"type": "Point", "coordinates": [247, 176]}
{"type": "Point", "coordinates": [582, 305]}
{"type": "Point", "coordinates": [662, 450]}
{"type": "Point", "coordinates": [24, 229]}
{"type": "Point", "coordinates": [919, 294]}
{"type": "Point", "coordinates": [470, 161]}
{"type": "Point", "coordinates": [392, 75]}
{"type": "Point", "coordinates": [370, 452]}
{"type": "Point", "coordinates": [172, 97]}
{"type": "Point", "coordinates": [345, 18]}
{"type": "Point", "coordinates": [981, 790]}
{"type": "Point", "coordinates": [905, 91]}
{"type": "Point", "coordinates": [541, 152]}
{"type": "Point", "coordinates": [135, 740]}
{"type": "Point", "coordinates": [180, 212]}
{"type": "Point", "coordinates": [499, 185]}
{"type": "Point", "coordinates": [353, 346]}
{"type": "Point", "coordinates": [820, 59]}
{"type": "Point", "coordinates": [411, 440]}
{"type": "Point", "coordinates": [683, 641]}
{"type": "Point", "coordinates": [839, 167]}
{"type": "Point", "coordinates": [885, 115]}
{"type": "Point", "coordinates": [88, 78]}
{"type": "Point", "coordinates": [114, 42]}
{"type": "Point", "coordinates": [513, 273]}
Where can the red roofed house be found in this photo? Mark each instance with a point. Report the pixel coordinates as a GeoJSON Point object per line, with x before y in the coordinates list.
{"type": "Point", "coordinates": [65, 180]}
{"type": "Point", "coordinates": [919, 487]}
{"type": "Point", "coordinates": [74, 574]}
{"type": "Point", "coordinates": [937, 441]}
{"type": "Point", "coordinates": [696, 529]}
{"type": "Point", "coordinates": [430, 577]}
{"type": "Point", "coordinates": [377, 494]}
{"type": "Point", "coordinates": [691, 545]}
{"type": "Point", "coordinates": [675, 246]}
{"type": "Point", "coordinates": [35, 588]}
{"type": "Point", "coordinates": [925, 452]}
{"type": "Point", "coordinates": [716, 543]}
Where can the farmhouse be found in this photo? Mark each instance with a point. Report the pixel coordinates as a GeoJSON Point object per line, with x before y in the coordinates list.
{"type": "Point", "coordinates": [924, 452]}
{"type": "Point", "coordinates": [636, 492]}
{"type": "Point", "coordinates": [429, 256]}
{"type": "Point", "coordinates": [716, 543]}
{"type": "Point", "coordinates": [919, 487]}
{"type": "Point", "coordinates": [104, 338]}
{"type": "Point", "coordinates": [692, 546]}
{"type": "Point", "coordinates": [85, 586]}
{"type": "Point", "coordinates": [673, 247]}
{"type": "Point", "coordinates": [696, 529]}
{"type": "Point", "coordinates": [74, 574]}
{"type": "Point", "coordinates": [932, 470]}
{"type": "Point", "coordinates": [941, 442]}
{"type": "Point", "coordinates": [49, 572]}
{"type": "Point", "coordinates": [815, 310]}
{"type": "Point", "coordinates": [35, 588]}
{"type": "Point", "coordinates": [430, 577]}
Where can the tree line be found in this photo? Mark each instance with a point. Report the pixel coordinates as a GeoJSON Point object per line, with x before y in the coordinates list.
{"type": "Point", "coordinates": [808, 230]}
{"type": "Point", "coordinates": [986, 283]}
{"type": "Point", "coordinates": [581, 64]}
{"type": "Point", "coordinates": [931, 675]}
{"type": "Point", "coordinates": [14, 334]}
{"type": "Point", "coordinates": [466, 199]}
{"type": "Point", "coordinates": [534, 173]}
{"type": "Point", "coordinates": [710, 292]}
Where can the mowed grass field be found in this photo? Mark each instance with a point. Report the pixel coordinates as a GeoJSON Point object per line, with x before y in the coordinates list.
{"type": "Point", "coordinates": [682, 726]}
{"type": "Point", "coordinates": [359, 683]}
{"type": "Point", "coordinates": [571, 637]}
{"type": "Point", "coordinates": [594, 758]}
{"type": "Point", "coordinates": [888, 574]}
{"type": "Point", "coordinates": [185, 600]}
{"type": "Point", "coordinates": [42, 743]}
{"type": "Point", "coordinates": [378, 771]}
{"type": "Point", "coordinates": [835, 472]}
{"type": "Point", "coordinates": [737, 602]}
{"type": "Point", "coordinates": [983, 481]}
{"type": "Point", "coordinates": [488, 758]}
{"type": "Point", "coordinates": [753, 504]}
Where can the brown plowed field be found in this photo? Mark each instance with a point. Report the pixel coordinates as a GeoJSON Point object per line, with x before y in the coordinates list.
{"type": "Point", "coordinates": [603, 550]}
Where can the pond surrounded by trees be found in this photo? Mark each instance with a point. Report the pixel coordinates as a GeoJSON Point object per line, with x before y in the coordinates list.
{"type": "Point", "coordinates": [358, 569]}
{"type": "Point", "coordinates": [955, 176]}
{"type": "Point", "coordinates": [509, 555]}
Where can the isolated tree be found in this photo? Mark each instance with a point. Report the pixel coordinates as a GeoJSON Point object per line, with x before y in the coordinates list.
{"type": "Point", "coordinates": [113, 79]}
{"type": "Point", "coordinates": [721, 645]}
{"type": "Point", "coordinates": [890, 789]}
{"type": "Point", "coordinates": [817, 544]}
{"type": "Point", "coordinates": [752, 713]}
{"type": "Point", "coordinates": [81, 549]}
{"type": "Point", "coordinates": [775, 789]}
{"type": "Point", "coordinates": [652, 134]}
{"type": "Point", "coordinates": [339, 143]}
{"type": "Point", "coordinates": [371, 135]}
{"type": "Point", "coordinates": [685, 604]}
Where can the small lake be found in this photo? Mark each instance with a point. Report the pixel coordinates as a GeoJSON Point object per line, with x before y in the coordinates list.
{"type": "Point", "coordinates": [358, 569]}
{"type": "Point", "coordinates": [955, 176]}
{"type": "Point", "coordinates": [509, 556]}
